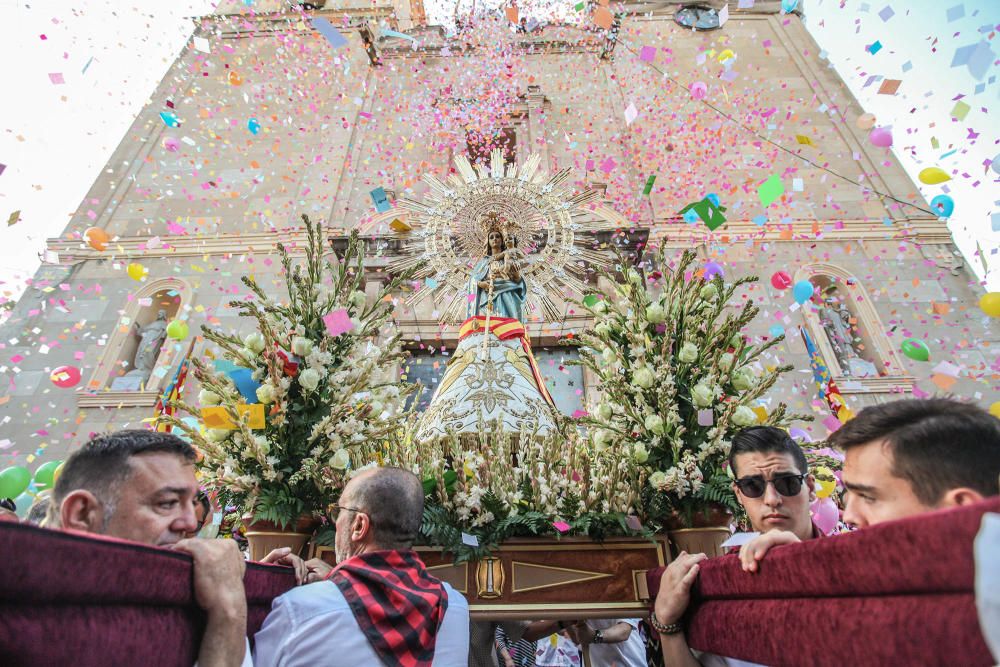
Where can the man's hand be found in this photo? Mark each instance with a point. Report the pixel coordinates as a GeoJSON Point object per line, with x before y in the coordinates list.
{"type": "Point", "coordinates": [580, 634]}
{"type": "Point", "coordinates": [675, 587]}
{"type": "Point", "coordinates": [218, 589]}
{"type": "Point", "coordinates": [284, 556]}
{"type": "Point", "coordinates": [484, 284]}
{"type": "Point", "coordinates": [753, 551]}
{"type": "Point", "coordinates": [316, 570]}
{"type": "Point", "coordinates": [218, 574]}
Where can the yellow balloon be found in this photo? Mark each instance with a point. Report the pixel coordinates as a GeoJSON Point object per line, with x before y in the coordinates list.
{"type": "Point", "coordinates": [826, 483]}
{"type": "Point", "coordinates": [58, 471]}
{"type": "Point", "coordinates": [995, 409]}
{"type": "Point", "coordinates": [135, 271]}
{"type": "Point", "coordinates": [989, 303]}
{"type": "Point", "coordinates": [933, 176]}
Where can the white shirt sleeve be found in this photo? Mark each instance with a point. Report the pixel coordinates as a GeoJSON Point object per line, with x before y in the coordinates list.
{"type": "Point", "coordinates": [987, 554]}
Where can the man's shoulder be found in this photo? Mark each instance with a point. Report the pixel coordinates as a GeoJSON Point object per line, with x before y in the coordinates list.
{"type": "Point", "coordinates": [311, 600]}
{"type": "Point", "coordinates": [455, 599]}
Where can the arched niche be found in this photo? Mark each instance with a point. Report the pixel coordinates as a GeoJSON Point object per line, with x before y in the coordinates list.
{"type": "Point", "coordinates": [170, 295]}
{"type": "Point", "coordinates": [849, 333]}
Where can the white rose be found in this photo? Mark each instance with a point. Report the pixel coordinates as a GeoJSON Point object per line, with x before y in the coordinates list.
{"type": "Point", "coordinates": [744, 416]}
{"type": "Point", "coordinates": [309, 379]}
{"type": "Point", "coordinates": [262, 444]}
{"type": "Point", "coordinates": [600, 307]}
{"type": "Point", "coordinates": [206, 397]}
{"type": "Point", "coordinates": [608, 355]}
{"type": "Point", "coordinates": [266, 394]}
{"type": "Point", "coordinates": [744, 379]}
{"type": "Point", "coordinates": [639, 453]}
{"type": "Point", "coordinates": [357, 299]}
{"type": "Point", "coordinates": [604, 411]}
{"type": "Point", "coordinates": [377, 409]}
{"type": "Point", "coordinates": [255, 342]}
{"type": "Point", "coordinates": [301, 346]}
{"type": "Point", "coordinates": [643, 378]}
{"type": "Point", "coordinates": [658, 479]}
{"type": "Point", "coordinates": [655, 313]}
{"type": "Point", "coordinates": [688, 353]}
{"type": "Point", "coordinates": [709, 292]}
{"type": "Point", "coordinates": [702, 395]}
{"type": "Point", "coordinates": [601, 440]}
{"type": "Point", "coordinates": [634, 277]}
{"type": "Point", "coordinates": [654, 423]}
{"type": "Point", "coordinates": [726, 361]}
{"type": "Point", "coordinates": [602, 329]}
{"type": "Point", "coordinates": [216, 434]}
{"type": "Point", "coordinates": [340, 459]}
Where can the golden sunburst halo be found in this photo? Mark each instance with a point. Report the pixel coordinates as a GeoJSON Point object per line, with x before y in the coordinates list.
{"type": "Point", "coordinates": [552, 224]}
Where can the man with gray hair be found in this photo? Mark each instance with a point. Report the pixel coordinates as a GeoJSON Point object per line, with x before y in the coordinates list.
{"type": "Point", "coordinates": [140, 486]}
{"type": "Point", "coordinates": [379, 605]}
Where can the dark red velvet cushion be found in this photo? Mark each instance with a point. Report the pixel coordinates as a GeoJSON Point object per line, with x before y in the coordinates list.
{"type": "Point", "coordinates": [71, 599]}
{"type": "Point", "coordinates": [900, 593]}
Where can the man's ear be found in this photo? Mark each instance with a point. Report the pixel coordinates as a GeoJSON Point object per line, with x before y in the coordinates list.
{"type": "Point", "coordinates": [361, 527]}
{"type": "Point", "coordinates": [960, 496]}
{"type": "Point", "coordinates": [811, 485]}
{"type": "Point", "coordinates": [81, 510]}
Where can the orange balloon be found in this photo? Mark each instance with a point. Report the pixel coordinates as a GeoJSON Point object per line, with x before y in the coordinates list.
{"type": "Point", "coordinates": [235, 79]}
{"type": "Point", "coordinates": [97, 238]}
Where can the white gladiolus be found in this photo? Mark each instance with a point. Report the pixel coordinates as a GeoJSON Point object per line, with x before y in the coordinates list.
{"type": "Point", "coordinates": [309, 379]}
{"type": "Point", "coordinates": [301, 346]}
{"type": "Point", "coordinates": [255, 342]}
{"type": "Point", "coordinates": [206, 397]}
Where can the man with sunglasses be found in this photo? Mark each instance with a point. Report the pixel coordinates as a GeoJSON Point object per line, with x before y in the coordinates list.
{"type": "Point", "coordinates": [773, 484]}
{"type": "Point", "coordinates": [380, 605]}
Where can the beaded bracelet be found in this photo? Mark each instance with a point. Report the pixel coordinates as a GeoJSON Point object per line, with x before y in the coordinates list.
{"type": "Point", "coordinates": [664, 629]}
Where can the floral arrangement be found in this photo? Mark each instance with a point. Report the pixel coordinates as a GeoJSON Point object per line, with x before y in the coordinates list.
{"type": "Point", "coordinates": [316, 366]}
{"type": "Point", "coordinates": [678, 380]}
{"type": "Point", "coordinates": [485, 487]}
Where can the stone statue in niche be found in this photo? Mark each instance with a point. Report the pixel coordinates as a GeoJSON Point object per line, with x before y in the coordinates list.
{"type": "Point", "coordinates": [151, 337]}
{"type": "Point", "coordinates": [835, 318]}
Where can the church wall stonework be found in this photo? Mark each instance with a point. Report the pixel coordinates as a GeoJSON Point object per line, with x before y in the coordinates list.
{"type": "Point", "coordinates": [206, 201]}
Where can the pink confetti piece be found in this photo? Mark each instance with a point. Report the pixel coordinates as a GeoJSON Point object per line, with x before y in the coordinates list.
{"type": "Point", "coordinates": [706, 417]}
{"type": "Point", "coordinates": [561, 526]}
{"type": "Point", "coordinates": [57, 78]}
{"type": "Point", "coordinates": [338, 322]}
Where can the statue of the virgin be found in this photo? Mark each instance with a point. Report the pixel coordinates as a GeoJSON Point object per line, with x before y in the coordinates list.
{"type": "Point", "coordinates": [496, 279]}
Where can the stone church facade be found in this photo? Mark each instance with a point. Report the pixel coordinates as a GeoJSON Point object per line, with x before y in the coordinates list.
{"type": "Point", "coordinates": [271, 121]}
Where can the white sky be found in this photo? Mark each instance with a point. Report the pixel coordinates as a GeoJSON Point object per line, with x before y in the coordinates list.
{"type": "Point", "coordinates": [54, 139]}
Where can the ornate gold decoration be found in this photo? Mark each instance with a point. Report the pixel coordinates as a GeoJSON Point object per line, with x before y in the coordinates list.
{"type": "Point", "coordinates": [450, 231]}
{"type": "Point", "coordinates": [489, 578]}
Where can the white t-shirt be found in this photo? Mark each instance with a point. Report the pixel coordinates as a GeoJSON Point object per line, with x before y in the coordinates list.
{"type": "Point", "coordinates": [629, 653]}
{"type": "Point", "coordinates": [314, 625]}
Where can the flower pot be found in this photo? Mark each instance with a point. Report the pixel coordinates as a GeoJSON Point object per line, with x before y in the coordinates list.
{"type": "Point", "coordinates": [707, 530]}
{"type": "Point", "coordinates": [264, 536]}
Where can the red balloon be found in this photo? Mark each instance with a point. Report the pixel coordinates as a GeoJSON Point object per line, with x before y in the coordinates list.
{"type": "Point", "coordinates": [781, 280]}
{"type": "Point", "coordinates": [65, 376]}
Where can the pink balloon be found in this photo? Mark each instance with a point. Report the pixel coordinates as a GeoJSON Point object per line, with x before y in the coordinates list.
{"type": "Point", "coordinates": [825, 514]}
{"type": "Point", "coordinates": [699, 90]}
{"type": "Point", "coordinates": [171, 144]}
{"type": "Point", "coordinates": [881, 136]}
{"type": "Point", "coordinates": [781, 280]}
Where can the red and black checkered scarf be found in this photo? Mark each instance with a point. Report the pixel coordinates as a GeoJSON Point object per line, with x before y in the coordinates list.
{"type": "Point", "coordinates": [397, 604]}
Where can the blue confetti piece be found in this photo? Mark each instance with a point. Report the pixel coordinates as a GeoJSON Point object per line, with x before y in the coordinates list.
{"type": "Point", "coordinates": [325, 28]}
{"type": "Point", "coordinates": [170, 119]}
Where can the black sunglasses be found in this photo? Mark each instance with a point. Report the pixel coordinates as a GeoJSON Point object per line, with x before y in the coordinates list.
{"type": "Point", "coordinates": [755, 485]}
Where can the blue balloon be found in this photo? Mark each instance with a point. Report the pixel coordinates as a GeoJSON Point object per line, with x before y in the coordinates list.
{"type": "Point", "coordinates": [713, 269]}
{"type": "Point", "coordinates": [789, 5]}
{"type": "Point", "coordinates": [803, 291]}
{"type": "Point", "coordinates": [943, 205]}
{"type": "Point", "coordinates": [776, 330]}
{"type": "Point", "coordinates": [245, 384]}
{"type": "Point", "coordinates": [714, 198]}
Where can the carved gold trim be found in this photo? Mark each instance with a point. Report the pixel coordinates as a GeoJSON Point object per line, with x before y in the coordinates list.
{"type": "Point", "coordinates": [490, 575]}
{"type": "Point", "coordinates": [465, 574]}
{"type": "Point", "coordinates": [513, 576]}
